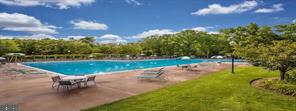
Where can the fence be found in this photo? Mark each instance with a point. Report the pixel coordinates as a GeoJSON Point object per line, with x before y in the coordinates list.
{"type": "Point", "coordinates": [95, 56]}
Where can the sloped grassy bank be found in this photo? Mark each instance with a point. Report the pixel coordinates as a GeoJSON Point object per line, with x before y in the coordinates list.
{"type": "Point", "coordinates": [220, 91]}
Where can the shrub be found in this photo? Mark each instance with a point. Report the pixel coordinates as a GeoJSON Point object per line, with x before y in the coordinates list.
{"type": "Point", "coordinates": [276, 85]}
{"type": "Point", "coordinates": [291, 76]}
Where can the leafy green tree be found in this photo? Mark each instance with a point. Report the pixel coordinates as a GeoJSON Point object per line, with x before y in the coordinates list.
{"type": "Point", "coordinates": [287, 31]}
{"type": "Point", "coordinates": [8, 46]}
{"type": "Point", "coordinates": [88, 40]}
{"type": "Point", "coordinates": [83, 48]}
{"type": "Point", "coordinates": [46, 46]}
{"type": "Point", "coordinates": [280, 55]}
{"type": "Point", "coordinates": [62, 47]}
{"type": "Point", "coordinates": [151, 45]}
{"type": "Point", "coordinates": [261, 45]}
{"type": "Point", "coordinates": [206, 44]}
{"type": "Point", "coordinates": [250, 34]}
{"type": "Point", "coordinates": [28, 47]}
{"type": "Point", "coordinates": [77, 47]}
{"type": "Point", "coordinates": [186, 42]}
{"type": "Point", "coordinates": [131, 49]}
{"type": "Point", "coordinates": [110, 48]}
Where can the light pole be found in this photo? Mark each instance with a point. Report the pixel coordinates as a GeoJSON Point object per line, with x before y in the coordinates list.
{"type": "Point", "coordinates": [232, 43]}
{"type": "Point", "coordinates": [232, 64]}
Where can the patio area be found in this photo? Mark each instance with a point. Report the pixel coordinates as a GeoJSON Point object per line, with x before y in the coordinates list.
{"type": "Point", "coordinates": [34, 92]}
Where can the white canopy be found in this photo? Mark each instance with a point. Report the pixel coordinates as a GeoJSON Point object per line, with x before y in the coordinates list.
{"type": "Point", "coordinates": [15, 54]}
{"type": "Point", "coordinates": [219, 57]}
{"type": "Point", "coordinates": [185, 58]}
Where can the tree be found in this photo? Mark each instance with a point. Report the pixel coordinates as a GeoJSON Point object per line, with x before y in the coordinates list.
{"type": "Point", "coordinates": [206, 44]}
{"type": "Point", "coordinates": [28, 47]}
{"type": "Point", "coordinates": [287, 31]}
{"type": "Point", "coordinates": [130, 49]}
{"type": "Point", "coordinates": [186, 42]}
{"type": "Point", "coordinates": [261, 45]}
{"type": "Point", "coordinates": [88, 40]}
{"type": "Point", "coordinates": [77, 47]}
{"type": "Point", "coordinates": [8, 46]}
{"type": "Point", "coordinates": [280, 55]}
{"type": "Point", "coordinates": [152, 45]}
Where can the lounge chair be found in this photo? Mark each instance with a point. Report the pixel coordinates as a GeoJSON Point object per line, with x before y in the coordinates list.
{"type": "Point", "coordinates": [161, 69]}
{"type": "Point", "coordinates": [55, 79]}
{"type": "Point", "coordinates": [183, 66]}
{"type": "Point", "coordinates": [152, 75]}
{"type": "Point", "coordinates": [23, 71]}
{"type": "Point", "coordinates": [192, 68]}
{"type": "Point", "coordinates": [28, 72]}
{"type": "Point", "coordinates": [66, 84]}
{"type": "Point", "coordinates": [2, 60]}
{"type": "Point", "coordinates": [89, 79]}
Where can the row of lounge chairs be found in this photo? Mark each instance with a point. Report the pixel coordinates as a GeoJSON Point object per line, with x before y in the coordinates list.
{"type": "Point", "coordinates": [188, 67]}
{"type": "Point", "coordinates": [151, 74]}
{"type": "Point", "coordinates": [24, 71]}
{"type": "Point", "coordinates": [20, 72]}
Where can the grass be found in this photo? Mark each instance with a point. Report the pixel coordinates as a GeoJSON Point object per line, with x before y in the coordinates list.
{"type": "Point", "coordinates": [220, 91]}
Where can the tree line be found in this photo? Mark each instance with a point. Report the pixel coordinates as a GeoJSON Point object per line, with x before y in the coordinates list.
{"type": "Point", "coordinates": [185, 43]}
{"type": "Point", "coordinates": [271, 47]}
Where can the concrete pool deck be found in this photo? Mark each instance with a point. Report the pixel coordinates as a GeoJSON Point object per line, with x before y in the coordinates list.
{"type": "Point", "coordinates": [34, 92]}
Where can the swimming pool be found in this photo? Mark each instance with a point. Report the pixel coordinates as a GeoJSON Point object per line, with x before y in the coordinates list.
{"type": "Point", "coordinates": [105, 66]}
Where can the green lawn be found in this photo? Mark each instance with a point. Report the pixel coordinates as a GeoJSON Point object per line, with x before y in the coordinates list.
{"type": "Point", "coordinates": [220, 91]}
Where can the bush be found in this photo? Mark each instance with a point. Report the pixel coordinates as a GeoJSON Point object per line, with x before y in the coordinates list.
{"type": "Point", "coordinates": [291, 76]}
{"type": "Point", "coordinates": [276, 85]}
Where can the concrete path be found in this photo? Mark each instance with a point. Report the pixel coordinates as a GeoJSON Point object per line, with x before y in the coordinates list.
{"type": "Point", "coordinates": [36, 94]}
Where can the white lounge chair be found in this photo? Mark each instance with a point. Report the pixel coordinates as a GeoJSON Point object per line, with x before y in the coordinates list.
{"type": "Point", "coordinates": [152, 75]}
{"type": "Point", "coordinates": [89, 79]}
{"type": "Point", "coordinates": [192, 68]}
{"type": "Point", "coordinates": [161, 69]}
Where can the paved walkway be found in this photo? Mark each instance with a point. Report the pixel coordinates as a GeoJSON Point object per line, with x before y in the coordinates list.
{"type": "Point", "coordinates": [34, 93]}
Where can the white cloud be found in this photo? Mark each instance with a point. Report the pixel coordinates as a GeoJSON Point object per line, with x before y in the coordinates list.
{"type": "Point", "coordinates": [275, 8]}
{"type": "Point", "coordinates": [110, 36]}
{"type": "Point", "coordinates": [43, 36]}
{"type": "Point", "coordinates": [294, 21]}
{"type": "Point", "coordinates": [25, 23]}
{"type": "Point", "coordinates": [154, 32]}
{"type": "Point", "coordinates": [61, 4]}
{"type": "Point", "coordinates": [213, 32]}
{"type": "Point", "coordinates": [6, 37]}
{"type": "Point", "coordinates": [133, 2]}
{"type": "Point", "coordinates": [202, 29]}
{"type": "Point", "coordinates": [219, 9]}
{"type": "Point", "coordinates": [159, 32]}
{"type": "Point", "coordinates": [88, 25]}
{"type": "Point", "coordinates": [207, 29]}
{"type": "Point", "coordinates": [119, 41]}
{"type": "Point", "coordinates": [35, 37]}
{"type": "Point", "coordinates": [110, 39]}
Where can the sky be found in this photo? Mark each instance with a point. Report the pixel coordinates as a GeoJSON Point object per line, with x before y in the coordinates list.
{"type": "Point", "coordinates": [123, 21]}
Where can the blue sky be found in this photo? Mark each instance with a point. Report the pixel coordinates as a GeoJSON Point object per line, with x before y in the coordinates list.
{"type": "Point", "coordinates": [119, 21]}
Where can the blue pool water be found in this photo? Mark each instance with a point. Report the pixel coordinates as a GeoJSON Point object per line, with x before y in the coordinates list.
{"type": "Point", "coordinates": [101, 67]}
